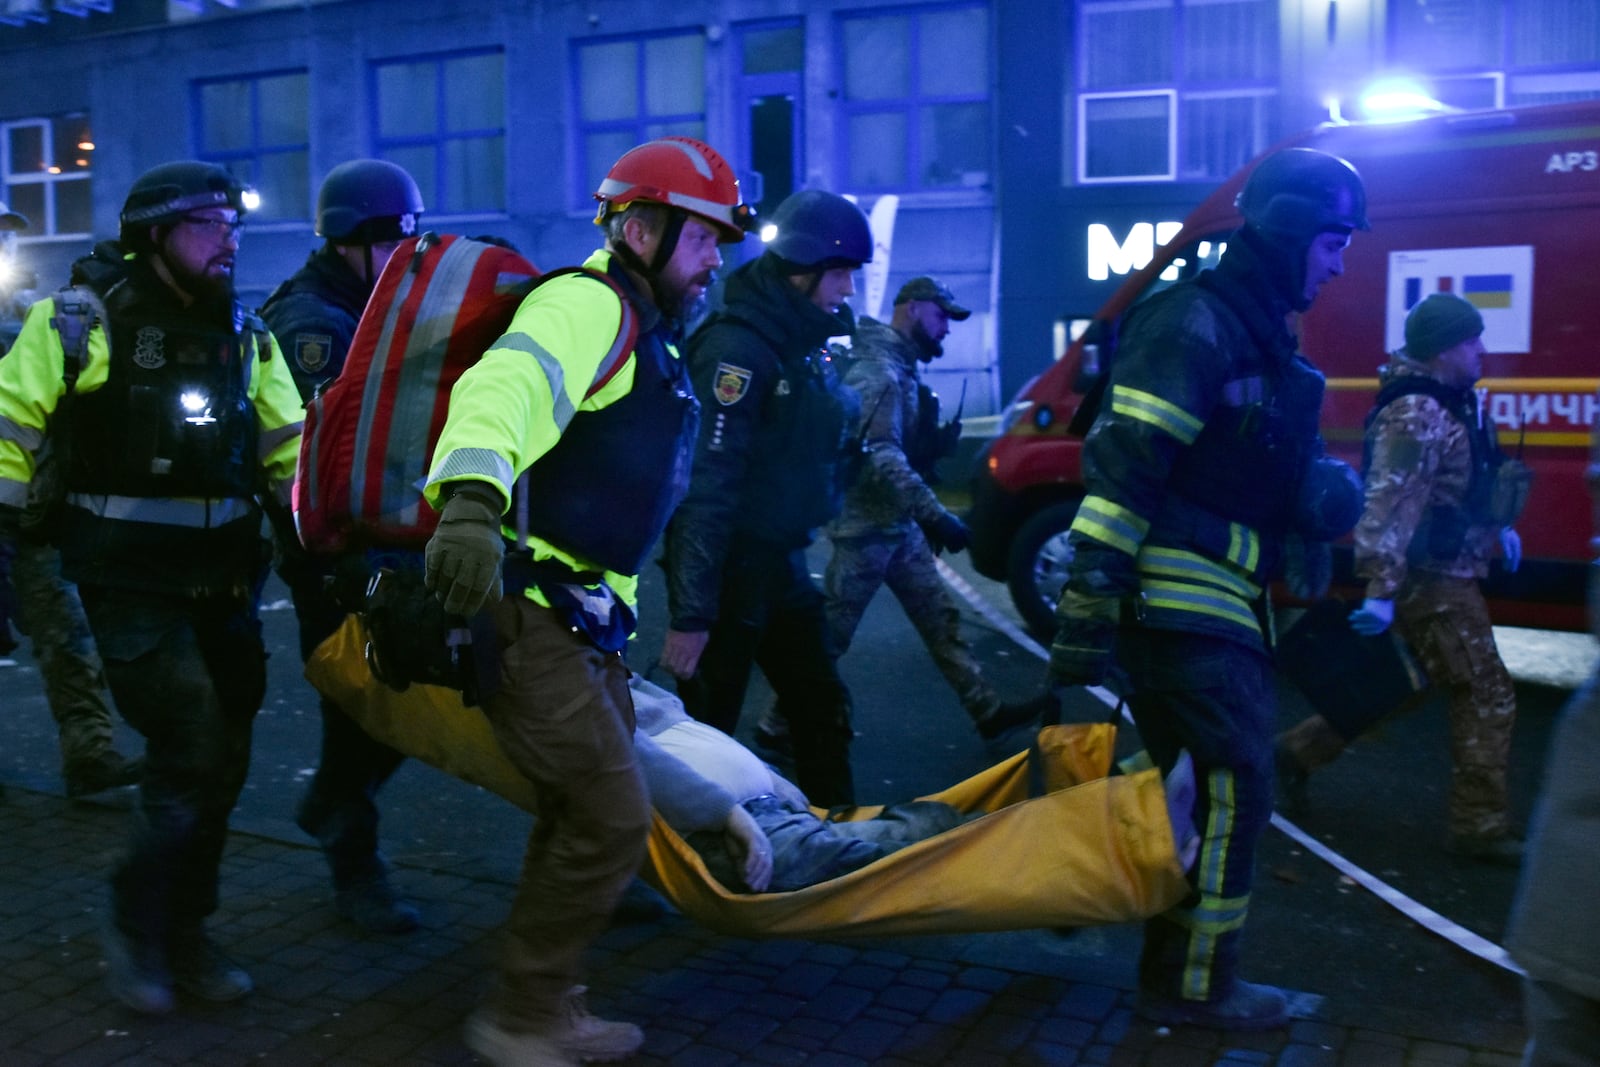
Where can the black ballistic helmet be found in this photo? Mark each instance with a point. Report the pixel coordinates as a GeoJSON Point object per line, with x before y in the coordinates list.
{"type": "Point", "coordinates": [366, 201]}
{"type": "Point", "coordinates": [1298, 193]}
{"type": "Point", "coordinates": [163, 195]}
{"type": "Point", "coordinates": [819, 231]}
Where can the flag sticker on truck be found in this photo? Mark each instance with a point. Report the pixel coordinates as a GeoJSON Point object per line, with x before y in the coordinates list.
{"type": "Point", "coordinates": [1486, 291]}
{"type": "Point", "coordinates": [1498, 281]}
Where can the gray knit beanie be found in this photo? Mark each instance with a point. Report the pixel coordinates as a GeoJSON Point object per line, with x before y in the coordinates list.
{"type": "Point", "coordinates": [1441, 321]}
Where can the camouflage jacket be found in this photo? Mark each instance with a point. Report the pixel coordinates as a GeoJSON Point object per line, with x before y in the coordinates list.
{"type": "Point", "coordinates": [1421, 460]}
{"type": "Point", "coordinates": [888, 493]}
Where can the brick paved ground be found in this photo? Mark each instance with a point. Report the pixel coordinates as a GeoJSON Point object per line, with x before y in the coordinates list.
{"type": "Point", "coordinates": [326, 995]}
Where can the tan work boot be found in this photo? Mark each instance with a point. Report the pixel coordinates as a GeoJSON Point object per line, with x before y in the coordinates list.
{"type": "Point", "coordinates": [589, 1037]}
{"type": "Point", "coordinates": [104, 770]}
{"type": "Point", "coordinates": [573, 1036]}
{"type": "Point", "coordinates": [506, 1048]}
{"type": "Point", "coordinates": [1298, 751]}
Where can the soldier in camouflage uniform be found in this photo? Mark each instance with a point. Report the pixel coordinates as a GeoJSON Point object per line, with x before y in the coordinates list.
{"type": "Point", "coordinates": [1427, 532]}
{"type": "Point", "coordinates": [892, 523]}
{"type": "Point", "coordinates": [50, 613]}
{"type": "Point", "coordinates": [47, 606]}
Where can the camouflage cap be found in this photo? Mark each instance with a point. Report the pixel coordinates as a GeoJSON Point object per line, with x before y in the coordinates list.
{"type": "Point", "coordinates": [1440, 322]}
{"type": "Point", "coordinates": [926, 288]}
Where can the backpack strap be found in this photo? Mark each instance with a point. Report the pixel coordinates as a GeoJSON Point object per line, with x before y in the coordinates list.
{"type": "Point", "coordinates": [252, 323]}
{"type": "Point", "coordinates": [627, 328]}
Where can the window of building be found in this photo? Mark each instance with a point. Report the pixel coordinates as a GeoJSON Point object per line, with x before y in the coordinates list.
{"type": "Point", "coordinates": [1490, 53]}
{"type": "Point", "coordinates": [634, 89]}
{"type": "Point", "coordinates": [1173, 89]}
{"type": "Point", "coordinates": [443, 118]}
{"type": "Point", "coordinates": [915, 108]}
{"type": "Point", "coordinates": [46, 164]}
{"type": "Point", "coordinates": [768, 93]}
{"type": "Point", "coordinates": [257, 127]}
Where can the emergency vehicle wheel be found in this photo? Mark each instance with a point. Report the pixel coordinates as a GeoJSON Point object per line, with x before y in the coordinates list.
{"type": "Point", "coordinates": [1037, 568]}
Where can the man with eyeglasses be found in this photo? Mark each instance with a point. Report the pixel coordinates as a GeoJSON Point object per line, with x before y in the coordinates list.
{"type": "Point", "coordinates": [365, 208]}
{"type": "Point", "coordinates": [179, 414]}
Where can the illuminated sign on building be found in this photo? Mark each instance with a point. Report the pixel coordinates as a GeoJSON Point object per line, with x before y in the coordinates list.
{"type": "Point", "coordinates": [1108, 256]}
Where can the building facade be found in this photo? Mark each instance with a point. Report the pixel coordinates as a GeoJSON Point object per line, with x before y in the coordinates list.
{"type": "Point", "coordinates": [1029, 152]}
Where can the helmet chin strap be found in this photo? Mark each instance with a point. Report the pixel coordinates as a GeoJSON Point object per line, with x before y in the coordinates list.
{"type": "Point", "coordinates": [668, 244]}
{"type": "Point", "coordinates": [669, 241]}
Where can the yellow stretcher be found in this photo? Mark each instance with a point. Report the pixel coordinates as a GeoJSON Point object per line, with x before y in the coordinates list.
{"type": "Point", "coordinates": [1090, 850]}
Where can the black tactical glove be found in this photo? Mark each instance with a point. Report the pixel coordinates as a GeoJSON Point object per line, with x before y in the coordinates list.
{"type": "Point", "coordinates": [948, 533]}
{"type": "Point", "coordinates": [464, 555]}
{"type": "Point", "coordinates": [1086, 635]}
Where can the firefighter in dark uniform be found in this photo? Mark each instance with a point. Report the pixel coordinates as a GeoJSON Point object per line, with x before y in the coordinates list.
{"type": "Point", "coordinates": [1204, 458]}
{"type": "Point", "coordinates": [365, 208]}
{"type": "Point", "coordinates": [768, 472]}
{"type": "Point", "coordinates": [183, 415]}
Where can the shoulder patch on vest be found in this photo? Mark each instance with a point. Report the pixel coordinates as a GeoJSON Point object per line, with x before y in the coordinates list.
{"type": "Point", "coordinates": [730, 383]}
{"type": "Point", "coordinates": [311, 350]}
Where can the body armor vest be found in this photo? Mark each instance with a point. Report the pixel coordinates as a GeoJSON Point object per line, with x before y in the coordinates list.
{"type": "Point", "coordinates": [174, 418]}
{"type": "Point", "coordinates": [606, 490]}
{"type": "Point", "coordinates": [1246, 464]}
{"type": "Point", "coordinates": [797, 463]}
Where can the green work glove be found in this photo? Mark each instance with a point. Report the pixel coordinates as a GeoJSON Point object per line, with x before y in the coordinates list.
{"type": "Point", "coordinates": [465, 552]}
{"type": "Point", "coordinates": [1086, 633]}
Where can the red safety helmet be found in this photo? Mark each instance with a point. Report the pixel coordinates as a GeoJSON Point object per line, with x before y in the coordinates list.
{"type": "Point", "coordinates": [683, 173]}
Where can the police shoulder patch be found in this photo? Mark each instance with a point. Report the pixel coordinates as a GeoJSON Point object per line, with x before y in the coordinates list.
{"type": "Point", "coordinates": [311, 350]}
{"type": "Point", "coordinates": [730, 383]}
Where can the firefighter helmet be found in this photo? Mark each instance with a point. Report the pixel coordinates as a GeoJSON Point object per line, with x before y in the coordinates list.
{"type": "Point", "coordinates": [368, 201]}
{"type": "Point", "coordinates": [1297, 193]}
{"type": "Point", "coordinates": [820, 230]}
{"type": "Point", "coordinates": [679, 172]}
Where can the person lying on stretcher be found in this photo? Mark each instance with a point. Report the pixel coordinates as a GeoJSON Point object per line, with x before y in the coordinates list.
{"type": "Point", "coordinates": [753, 828]}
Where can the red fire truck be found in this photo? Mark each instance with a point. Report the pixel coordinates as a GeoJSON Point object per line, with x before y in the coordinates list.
{"type": "Point", "coordinates": [1500, 206]}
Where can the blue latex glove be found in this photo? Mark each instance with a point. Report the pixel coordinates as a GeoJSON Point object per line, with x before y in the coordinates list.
{"type": "Point", "coordinates": [1372, 617]}
{"type": "Point", "coordinates": [1511, 548]}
